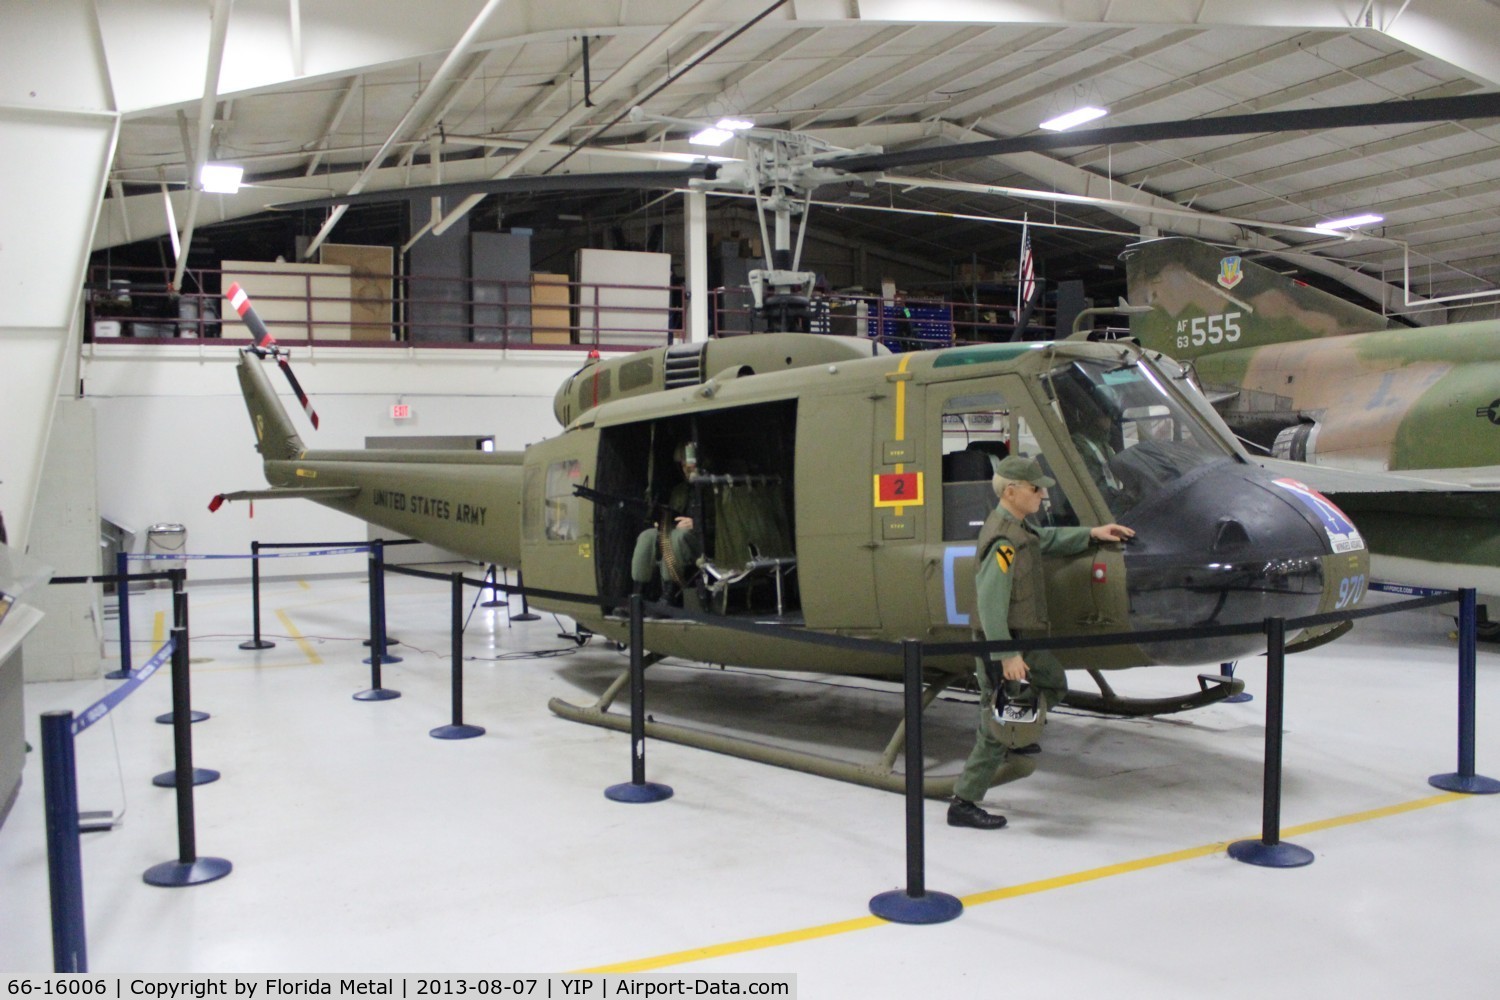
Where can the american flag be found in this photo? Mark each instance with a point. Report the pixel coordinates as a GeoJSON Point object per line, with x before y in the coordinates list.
{"type": "Point", "coordinates": [1027, 271]}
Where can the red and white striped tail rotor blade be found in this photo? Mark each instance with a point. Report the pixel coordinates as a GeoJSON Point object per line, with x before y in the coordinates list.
{"type": "Point", "coordinates": [241, 302]}
{"type": "Point", "coordinates": [297, 388]}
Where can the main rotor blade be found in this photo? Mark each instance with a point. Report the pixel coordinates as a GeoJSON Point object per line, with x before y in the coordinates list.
{"type": "Point", "coordinates": [1306, 120]}
{"type": "Point", "coordinates": [531, 184]}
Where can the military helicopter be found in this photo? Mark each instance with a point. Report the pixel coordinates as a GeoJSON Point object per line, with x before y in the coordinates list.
{"type": "Point", "coordinates": [840, 490]}
{"type": "Point", "coordinates": [841, 487]}
{"type": "Point", "coordinates": [1306, 376]}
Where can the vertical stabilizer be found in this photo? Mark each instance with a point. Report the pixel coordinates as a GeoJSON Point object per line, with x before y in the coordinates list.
{"type": "Point", "coordinates": [275, 437]}
{"type": "Point", "coordinates": [1205, 299]}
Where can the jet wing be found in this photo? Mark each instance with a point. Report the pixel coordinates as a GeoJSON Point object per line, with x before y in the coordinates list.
{"type": "Point", "coordinates": [1327, 479]}
{"type": "Point", "coordinates": [1431, 528]}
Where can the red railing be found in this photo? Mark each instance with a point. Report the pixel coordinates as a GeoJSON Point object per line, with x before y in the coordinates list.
{"type": "Point", "coordinates": [136, 305]}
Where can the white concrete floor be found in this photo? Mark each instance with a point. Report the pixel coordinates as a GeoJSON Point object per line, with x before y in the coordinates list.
{"type": "Point", "coordinates": [359, 843]}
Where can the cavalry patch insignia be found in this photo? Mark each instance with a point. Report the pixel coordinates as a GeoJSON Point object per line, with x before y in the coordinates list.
{"type": "Point", "coordinates": [1229, 272]}
{"type": "Point", "coordinates": [1004, 556]}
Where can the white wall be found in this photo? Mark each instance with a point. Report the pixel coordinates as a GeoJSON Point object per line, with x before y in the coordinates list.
{"type": "Point", "coordinates": [173, 431]}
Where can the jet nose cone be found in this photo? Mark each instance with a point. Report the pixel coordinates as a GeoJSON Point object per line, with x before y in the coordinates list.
{"type": "Point", "coordinates": [1225, 545]}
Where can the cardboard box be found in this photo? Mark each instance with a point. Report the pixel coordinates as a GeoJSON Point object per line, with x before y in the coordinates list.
{"type": "Point", "coordinates": [551, 312]}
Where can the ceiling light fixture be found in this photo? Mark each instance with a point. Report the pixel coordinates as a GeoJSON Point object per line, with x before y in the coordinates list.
{"type": "Point", "coordinates": [1352, 222]}
{"type": "Point", "coordinates": [1076, 117]}
{"type": "Point", "coordinates": [221, 178]}
{"type": "Point", "coordinates": [722, 131]}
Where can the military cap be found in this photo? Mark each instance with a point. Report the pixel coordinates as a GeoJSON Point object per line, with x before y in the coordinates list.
{"type": "Point", "coordinates": [1026, 470]}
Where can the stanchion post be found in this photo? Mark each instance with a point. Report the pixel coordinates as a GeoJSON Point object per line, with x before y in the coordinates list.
{"type": "Point", "coordinates": [257, 642]}
{"type": "Point", "coordinates": [638, 789]}
{"type": "Point", "coordinates": [1227, 669]}
{"type": "Point", "coordinates": [1270, 851]}
{"type": "Point", "coordinates": [182, 701]}
{"type": "Point", "coordinates": [377, 607]}
{"type": "Point", "coordinates": [914, 905]}
{"type": "Point", "coordinates": [526, 615]}
{"type": "Point", "coordinates": [188, 869]}
{"type": "Point", "coordinates": [377, 629]}
{"type": "Point", "coordinates": [493, 602]}
{"type": "Point", "coordinates": [1464, 779]}
{"type": "Point", "coordinates": [457, 730]}
{"type": "Point", "coordinates": [64, 859]}
{"type": "Point", "coordinates": [122, 592]}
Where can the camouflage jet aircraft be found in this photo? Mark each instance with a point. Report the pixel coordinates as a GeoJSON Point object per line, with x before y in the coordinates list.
{"type": "Point", "coordinates": [1304, 375]}
{"type": "Point", "coordinates": [840, 491]}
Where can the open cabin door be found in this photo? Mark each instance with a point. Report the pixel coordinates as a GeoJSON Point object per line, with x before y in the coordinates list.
{"type": "Point", "coordinates": [739, 496]}
{"type": "Point", "coordinates": [557, 527]}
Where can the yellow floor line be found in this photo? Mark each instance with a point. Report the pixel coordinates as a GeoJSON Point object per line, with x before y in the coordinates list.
{"type": "Point", "coordinates": [1008, 892]}
{"type": "Point", "coordinates": [159, 630]}
{"type": "Point", "coordinates": [303, 644]}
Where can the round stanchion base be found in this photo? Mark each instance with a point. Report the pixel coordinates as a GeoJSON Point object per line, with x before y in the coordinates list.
{"type": "Point", "coordinates": [526, 616]}
{"type": "Point", "coordinates": [460, 731]}
{"type": "Point", "coordinates": [1280, 855]}
{"type": "Point", "coordinates": [201, 776]}
{"type": "Point", "coordinates": [899, 907]}
{"type": "Point", "coordinates": [648, 791]}
{"type": "Point", "coordinates": [388, 641]}
{"type": "Point", "coordinates": [494, 604]}
{"type": "Point", "coordinates": [384, 659]}
{"type": "Point", "coordinates": [117, 675]}
{"type": "Point", "coordinates": [1471, 784]}
{"type": "Point", "coordinates": [178, 873]}
{"type": "Point", "coordinates": [376, 694]}
{"type": "Point", "coordinates": [165, 718]}
{"type": "Point", "coordinates": [1239, 699]}
{"type": "Point", "coordinates": [257, 644]}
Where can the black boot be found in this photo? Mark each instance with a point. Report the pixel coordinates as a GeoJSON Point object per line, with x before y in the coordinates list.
{"type": "Point", "coordinates": [962, 812]}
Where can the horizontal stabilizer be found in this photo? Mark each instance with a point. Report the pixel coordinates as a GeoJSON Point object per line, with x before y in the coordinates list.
{"type": "Point", "coordinates": [301, 493]}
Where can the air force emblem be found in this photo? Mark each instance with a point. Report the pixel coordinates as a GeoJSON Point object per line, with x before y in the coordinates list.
{"type": "Point", "coordinates": [1229, 271]}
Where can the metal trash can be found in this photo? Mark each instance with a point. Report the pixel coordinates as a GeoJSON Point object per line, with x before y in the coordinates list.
{"type": "Point", "coordinates": [165, 539]}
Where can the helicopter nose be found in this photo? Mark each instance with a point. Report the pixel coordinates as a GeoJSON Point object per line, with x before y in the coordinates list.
{"type": "Point", "coordinates": [1227, 544]}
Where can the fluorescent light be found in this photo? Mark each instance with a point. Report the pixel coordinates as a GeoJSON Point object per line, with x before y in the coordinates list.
{"type": "Point", "coordinates": [1352, 222]}
{"type": "Point", "coordinates": [723, 130]}
{"type": "Point", "coordinates": [711, 137]}
{"type": "Point", "coordinates": [1078, 117]}
{"type": "Point", "coordinates": [221, 178]}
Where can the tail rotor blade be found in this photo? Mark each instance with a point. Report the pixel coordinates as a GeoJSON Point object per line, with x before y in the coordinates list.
{"type": "Point", "coordinates": [297, 388]}
{"type": "Point", "coordinates": [241, 302]}
{"type": "Point", "coordinates": [266, 344]}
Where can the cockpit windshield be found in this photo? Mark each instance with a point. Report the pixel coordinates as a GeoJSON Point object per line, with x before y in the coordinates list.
{"type": "Point", "coordinates": [1132, 433]}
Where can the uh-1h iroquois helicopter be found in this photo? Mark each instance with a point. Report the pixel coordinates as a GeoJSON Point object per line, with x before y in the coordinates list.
{"type": "Point", "coordinates": [841, 488]}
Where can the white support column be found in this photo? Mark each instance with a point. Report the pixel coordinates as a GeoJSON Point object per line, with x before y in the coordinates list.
{"type": "Point", "coordinates": [695, 308]}
{"type": "Point", "coordinates": [59, 121]}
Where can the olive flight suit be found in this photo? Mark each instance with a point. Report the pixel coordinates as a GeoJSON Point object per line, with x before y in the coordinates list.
{"type": "Point", "coordinates": [685, 544]}
{"type": "Point", "coordinates": [1012, 603]}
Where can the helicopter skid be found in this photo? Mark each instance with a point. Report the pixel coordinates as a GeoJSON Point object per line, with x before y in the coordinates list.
{"type": "Point", "coordinates": [882, 776]}
{"type": "Point", "coordinates": [1211, 688]}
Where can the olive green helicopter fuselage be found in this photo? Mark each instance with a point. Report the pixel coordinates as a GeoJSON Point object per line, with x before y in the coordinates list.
{"type": "Point", "coordinates": [841, 488]}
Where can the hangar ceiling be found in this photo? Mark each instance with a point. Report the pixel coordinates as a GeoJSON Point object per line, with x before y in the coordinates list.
{"type": "Point", "coordinates": [522, 88]}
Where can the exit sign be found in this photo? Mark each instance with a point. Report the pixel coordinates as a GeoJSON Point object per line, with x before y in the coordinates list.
{"type": "Point", "coordinates": [401, 411]}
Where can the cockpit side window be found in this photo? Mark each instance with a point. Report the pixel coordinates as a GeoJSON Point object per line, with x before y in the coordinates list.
{"type": "Point", "coordinates": [979, 429]}
{"type": "Point", "coordinates": [561, 505]}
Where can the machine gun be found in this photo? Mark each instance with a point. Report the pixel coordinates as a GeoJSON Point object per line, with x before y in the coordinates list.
{"type": "Point", "coordinates": [646, 510]}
